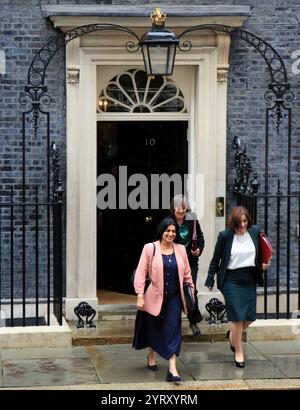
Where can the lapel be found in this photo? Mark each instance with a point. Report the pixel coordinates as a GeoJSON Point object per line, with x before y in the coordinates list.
{"type": "Point", "coordinates": [228, 246]}
{"type": "Point", "coordinates": [179, 260]}
{"type": "Point", "coordinates": [157, 260]}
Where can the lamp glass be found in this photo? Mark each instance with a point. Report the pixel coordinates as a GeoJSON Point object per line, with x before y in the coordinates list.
{"type": "Point", "coordinates": [159, 58]}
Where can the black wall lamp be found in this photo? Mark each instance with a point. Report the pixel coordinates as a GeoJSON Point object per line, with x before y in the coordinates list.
{"type": "Point", "coordinates": [159, 46]}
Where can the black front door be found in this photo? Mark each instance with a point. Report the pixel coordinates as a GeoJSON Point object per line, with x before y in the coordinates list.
{"type": "Point", "coordinates": [138, 150]}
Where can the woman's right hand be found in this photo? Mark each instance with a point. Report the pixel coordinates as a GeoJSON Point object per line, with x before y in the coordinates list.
{"type": "Point", "coordinates": [140, 302]}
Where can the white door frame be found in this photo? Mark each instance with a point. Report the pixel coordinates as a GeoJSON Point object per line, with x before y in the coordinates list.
{"type": "Point", "coordinates": [207, 151]}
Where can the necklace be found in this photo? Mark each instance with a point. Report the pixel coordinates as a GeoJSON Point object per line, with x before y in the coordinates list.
{"type": "Point", "coordinates": [170, 257]}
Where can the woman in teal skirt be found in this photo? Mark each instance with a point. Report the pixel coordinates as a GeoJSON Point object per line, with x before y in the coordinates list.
{"type": "Point", "coordinates": [236, 263]}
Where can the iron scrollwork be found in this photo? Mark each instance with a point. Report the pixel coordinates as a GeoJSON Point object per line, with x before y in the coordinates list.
{"type": "Point", "coordinates": [243, 168]}
{"type": "Point", "coordinates": [216, 310]}
{"type": "Point", "coordinates": [57, 191]}
{"type": "Point", "coordinates": [83, 309]}
{"type": "Point", "coordinates": [36, 91]}
{"type": "Point", "coordinates": [278, 96]}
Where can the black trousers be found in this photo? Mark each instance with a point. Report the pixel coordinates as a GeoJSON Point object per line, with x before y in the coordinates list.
{"type": "Point", "coordinates": [194, 316]}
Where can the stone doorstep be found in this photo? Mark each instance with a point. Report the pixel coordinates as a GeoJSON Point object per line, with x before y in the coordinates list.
{"type": "Point", "coordinates": [274, 329]}
{"type": "Point", "coordinates": [36, 336]}
{"type": "Point", "coordinates": [121, 332]}
{"type": "Point", "coordinates": [78, 340]}
{"type": "Point", "coordinates": [116, 312]}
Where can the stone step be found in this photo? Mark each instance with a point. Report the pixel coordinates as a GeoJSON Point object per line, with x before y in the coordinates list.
{"type": "Point", "coordinates": [116, 312]}
{"type": "Point", "coordinates": [121, 332]}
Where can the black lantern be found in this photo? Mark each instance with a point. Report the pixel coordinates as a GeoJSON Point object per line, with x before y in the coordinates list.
{"type": "Point", "coordinates": [159, 46]}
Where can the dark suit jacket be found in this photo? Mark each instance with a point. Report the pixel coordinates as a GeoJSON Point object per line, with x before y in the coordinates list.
{"type": "Point", "coordinates": [190, 217]}
{"type": "Point", "coordinates": [221, 257]}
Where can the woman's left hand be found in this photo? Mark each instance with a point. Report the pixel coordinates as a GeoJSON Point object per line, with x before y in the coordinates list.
{"type": "Point", "coordinates": [196, 252]}
{"type": "Point", "coordinates": [265, 266]}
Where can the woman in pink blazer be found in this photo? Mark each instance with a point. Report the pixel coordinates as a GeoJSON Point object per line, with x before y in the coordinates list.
{"type": "Point", "coordinates": [158, 321]}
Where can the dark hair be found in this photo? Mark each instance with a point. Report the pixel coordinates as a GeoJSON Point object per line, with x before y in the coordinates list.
{"type": "Point", "coordinates": [177, 201]}
{"type": "Point", "coordinates": [235, 217]}
{"type": "Point", "coordinates": [163, 225]}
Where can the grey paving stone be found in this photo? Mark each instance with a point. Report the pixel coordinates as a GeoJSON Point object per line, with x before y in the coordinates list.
{"type": "Point", "coordinates": [129, 371]}
{"type": "Point", "coordinates": [215, 352]}
{"type": "Point", "coordinates": [43, 353]}
{"type": "Point", "coordinates": [227, 371]}
{"type": "Point", "coordinates": [277, 347]}
{"type": "Point", "coordinates": [121, 351]}
{"type": "Point", "coordinates": [289, 365]}
{"type": "Point", "coordinates": [45, 372]}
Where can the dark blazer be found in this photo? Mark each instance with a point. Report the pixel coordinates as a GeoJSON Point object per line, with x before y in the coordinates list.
{"type": "Point", "coordinates": [190, 217]}
{"type": "Point", "coordinates": [221, 257]}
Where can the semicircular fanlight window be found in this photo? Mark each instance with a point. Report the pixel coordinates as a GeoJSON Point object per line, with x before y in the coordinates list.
{"type": "Point", "coordinates": [133, 91]}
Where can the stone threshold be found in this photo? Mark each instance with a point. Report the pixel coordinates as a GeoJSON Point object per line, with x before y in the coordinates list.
{"type": "Point", "coordinates": [36, 336]}
{"type": "Point", "coordinates": [121, 332]}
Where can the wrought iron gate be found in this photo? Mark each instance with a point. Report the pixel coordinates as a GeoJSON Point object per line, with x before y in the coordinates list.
{"type": "Point", "coordinates": [278, 215]}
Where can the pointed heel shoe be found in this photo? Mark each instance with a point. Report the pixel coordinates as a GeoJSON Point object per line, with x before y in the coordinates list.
{"type": "Point", "coordinates": [171, 378]}
{"type": "Point", "coordinates": [195, 329]}
{"type": "Point", "coordinates": [240, 365]}
{"type": "Point", "coordinates": [228, 337]}
{"type": "Point", "coordinates": [152, 367]}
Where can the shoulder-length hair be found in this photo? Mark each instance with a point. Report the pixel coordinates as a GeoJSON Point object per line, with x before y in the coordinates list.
{"type": "Point", "coordinates": [235, 217]}
{"type": "Point", "coordinates": [179, 201]}
{"type": "Point", "coordinates": [163, 225]}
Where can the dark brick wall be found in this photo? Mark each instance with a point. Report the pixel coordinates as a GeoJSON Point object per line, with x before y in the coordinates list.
{"type": "Point", "coordinates": [24, 31]}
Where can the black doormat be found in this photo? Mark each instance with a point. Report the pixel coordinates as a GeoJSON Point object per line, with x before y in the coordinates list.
{"type": "Point", "coordinates": [29, 321]}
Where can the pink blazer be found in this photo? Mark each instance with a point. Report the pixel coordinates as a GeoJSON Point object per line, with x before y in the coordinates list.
{"type": "Point", "coordinates": [153, 297]}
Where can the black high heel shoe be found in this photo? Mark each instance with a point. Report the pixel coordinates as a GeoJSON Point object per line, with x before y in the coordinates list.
{"type": "Point", "coordinates": [195, 329]}
{"type": "Point", "coordinates": [228, 337]}
{"type": "Point", "coordinates": [240, 365]}
{"type": "Point", "coordinates": [152, 367]}
{"type": "Point", "coordinates": [171, 378]}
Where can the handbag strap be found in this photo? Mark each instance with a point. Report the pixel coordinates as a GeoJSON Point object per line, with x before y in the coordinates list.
{"type": "Point", "coordinates": [150, 264]}
{"type": "Point", "coordinates": [194, 235]}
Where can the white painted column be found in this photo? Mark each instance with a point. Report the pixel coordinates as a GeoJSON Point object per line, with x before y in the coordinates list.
{"type": "Point", "coordinates": [205, 158]}
{"type": "Point", "coordinates": [81, 185]}
{"type": "Point", "coordinates": [210, 134]}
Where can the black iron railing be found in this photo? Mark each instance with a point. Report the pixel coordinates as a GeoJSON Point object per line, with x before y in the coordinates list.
{"type": "Point", "coordinates": [273, 214]}
{"type": "Point", "coordinates": [31, 252]}
{"type": "Point", "coordinates": [34, 263]}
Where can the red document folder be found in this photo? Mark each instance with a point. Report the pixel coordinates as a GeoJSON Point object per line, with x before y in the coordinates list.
{"type": "Point", "coordinates": [265, 248]}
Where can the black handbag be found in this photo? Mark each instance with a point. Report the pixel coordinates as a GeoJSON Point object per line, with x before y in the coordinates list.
{"type": "Point", "coordinates": [189, 299]}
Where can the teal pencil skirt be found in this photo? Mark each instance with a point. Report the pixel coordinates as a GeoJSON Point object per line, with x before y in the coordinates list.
{"type": "Point", "coordinates": [240, 301]}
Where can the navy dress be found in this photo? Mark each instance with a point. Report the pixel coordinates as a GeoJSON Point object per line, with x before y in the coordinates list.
{"type": "Point", "coordinates": [163, 332]}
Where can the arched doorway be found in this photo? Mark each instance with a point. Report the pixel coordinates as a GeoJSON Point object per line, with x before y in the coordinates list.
{"type": "Point", "coordinates": [146, 159]}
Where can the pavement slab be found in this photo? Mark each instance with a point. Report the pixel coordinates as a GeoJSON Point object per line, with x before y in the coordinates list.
{"type": "Point", "coordinates": [130, 366]}
{"type": "Point", "coordinates": [44, 353]}
{"type": "Point", "coordinates": [202, 365]}
{"type": "Point", "coordinates": [277, 347]}
{"type": "Point", "coordinates": [288, 364]}
{"type": "Point", "coordinates": [226, 371]}
{"type": "Point", "coordinates": [215, 352]}
{"type": "Point", "coordinates": [43, 372]}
